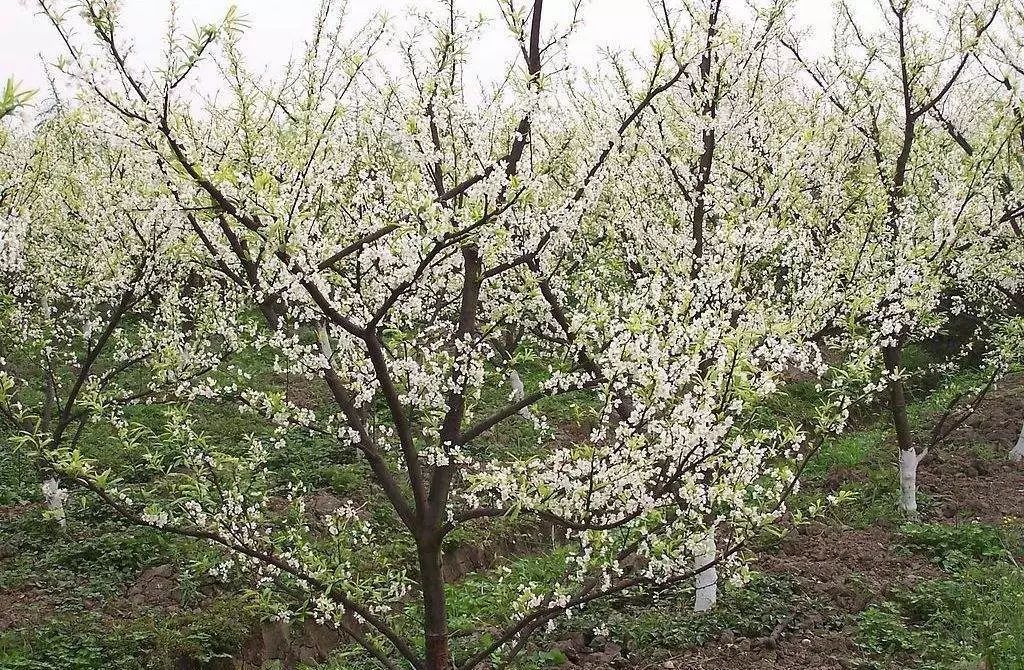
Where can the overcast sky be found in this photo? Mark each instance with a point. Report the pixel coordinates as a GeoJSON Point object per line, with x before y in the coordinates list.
{"type": "Point", "coordinates": [278, 27]}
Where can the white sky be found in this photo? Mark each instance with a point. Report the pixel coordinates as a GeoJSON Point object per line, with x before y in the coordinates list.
{"type": "Point", "coordinates": [278, 27]}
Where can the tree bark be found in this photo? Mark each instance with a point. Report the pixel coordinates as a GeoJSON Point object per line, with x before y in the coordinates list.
{"type": "Point", "coordinates": [909, 455]}
{"type": "Point", "coordinates": [518, 392]}
{"type": "Point", "coordinates": [435, 616]}
{"type": "Point", "coordinates": [55, 496]}
{"type": "Point", "coordinates": [1017, 453]}
{"type": "Point", "coordinates": [707, 578]}
{"type": "Point", "coordinates": [271, 310]}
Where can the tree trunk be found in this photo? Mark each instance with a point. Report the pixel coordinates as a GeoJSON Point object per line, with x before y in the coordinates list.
{"type": "Point", "coordinates": [55, 496]}
{"type": "Point", "coordinates": [435, 616]}
{"type": "Point", "coordinates": [518, 391]}
{"type": "Point", "coordinates": [909, 460]}
{"type": "Point", "coordinates": [707, 578]}
{"type": "Point", "coordinates": [272, 309]}
{"type": "Point", "coordinates": [1017, 453]}
{"type": "Point", "coordinates": [909, 456]}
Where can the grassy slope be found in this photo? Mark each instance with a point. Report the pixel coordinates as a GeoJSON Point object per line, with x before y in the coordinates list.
{"type": "Point", "coordinates": [943, 594]}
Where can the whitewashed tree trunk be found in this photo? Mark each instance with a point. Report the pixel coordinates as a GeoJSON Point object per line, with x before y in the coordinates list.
{"type": "Point", "coordinates": [909, 460]}
{"type": "Point", "coordinates": [707, 578]}
{"type": "Point", "coordinates": [55, 497]}
{"type": "Point", "coordinates": [1017, 453]}
{"type": "Point", "coordinates": [518, 391]}
{"type": "Point", "coordinates": [324, 340]}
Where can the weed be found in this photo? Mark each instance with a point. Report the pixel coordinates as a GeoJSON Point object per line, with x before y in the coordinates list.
{"type": "Point", "coordinates": [957, 547]}
{"type": "Point", "coordinates": [975, 618]}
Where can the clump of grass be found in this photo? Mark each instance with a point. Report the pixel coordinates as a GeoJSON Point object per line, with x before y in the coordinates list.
{"type": "Point", "coordinates": [148, 641]}
{"type": "Point", "coordinates": [975, 619]}
{"type": "Point", "coordinates": [961, 546]}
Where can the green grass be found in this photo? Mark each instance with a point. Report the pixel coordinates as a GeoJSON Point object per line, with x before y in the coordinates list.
{"type": "Point", "coordinates": [483, 600]}
{"type": "Point", "coordinates": [667, 623]}
{"type": "Point", "coordinates": [652, 624]}
{"type": "Point", "coordinates": [962, 546]}
{"type": "Point", "coordinates": [94, 553]}
{"type": "Point", "coordinates": [849, 451]}
{"type": "Point", "coordinates": [867, 456]}
{"type": "Point", "coordinates": [974, 617]}
{"type": "Point", "coordinates": [146, 641]}
{"type": "Point", "coordinates": [19, 479]}
{"type": "Point", "coordinates": [971, 618]}
{"type": "Point", "coordinates": [73, 583]}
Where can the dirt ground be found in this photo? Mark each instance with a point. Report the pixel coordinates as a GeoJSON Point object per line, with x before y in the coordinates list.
{"type": "Point", "coordinates": [974, 488]}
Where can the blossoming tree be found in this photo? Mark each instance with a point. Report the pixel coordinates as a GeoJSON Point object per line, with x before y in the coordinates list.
{"type": "Point", "coordinates": [95, 290]}
{"type": "Point", "coordinates": [725, 174]}
{"type": "Point", "coordinates": [441, 269]}
{"type": "Point", "coordinates": [1004, 69]}
{"type": "Point", "coordinates": [915, 230]}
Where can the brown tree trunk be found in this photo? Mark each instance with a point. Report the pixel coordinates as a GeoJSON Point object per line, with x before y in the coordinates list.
{"type": "Point", "coordinates": [909, 457]}
{"type": "Point", "coordinates": [898, 399]}
{"type": "Point", "coordinates": [435, 616]}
